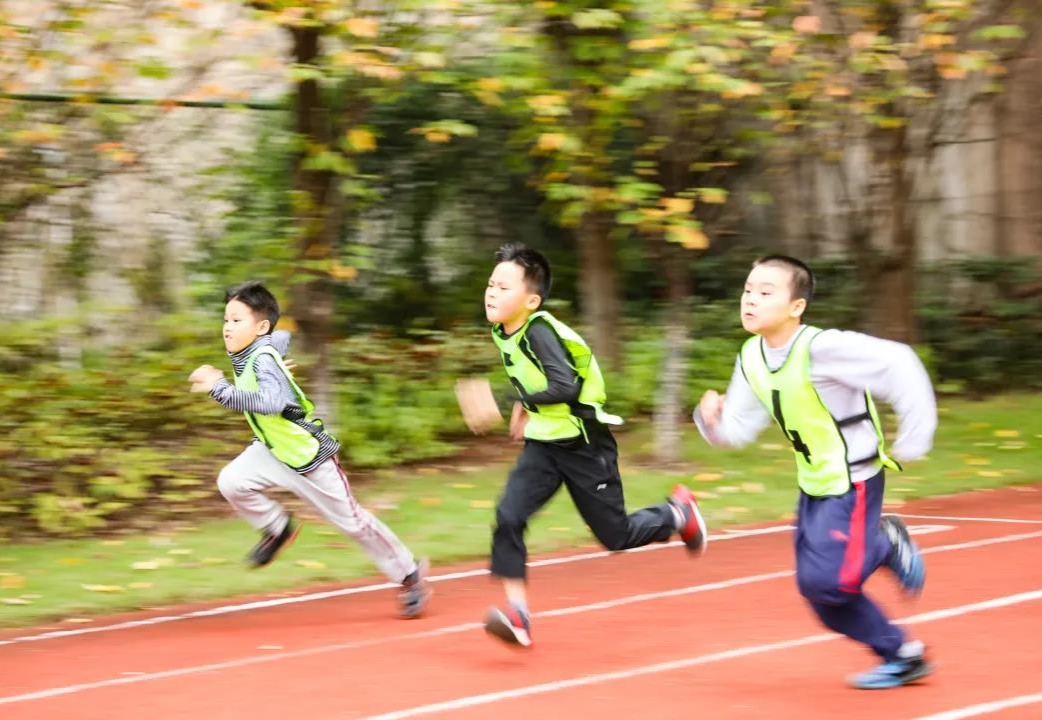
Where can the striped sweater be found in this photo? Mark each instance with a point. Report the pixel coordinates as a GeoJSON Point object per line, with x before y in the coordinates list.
{"type": "Point", "coordinates": [274, 394]}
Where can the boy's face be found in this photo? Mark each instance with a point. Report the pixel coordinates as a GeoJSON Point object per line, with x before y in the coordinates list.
{"type": "Point", "coordinates": [767, 303]}
{"type": "Point", "coordinates": [507, 297]}
{"type": "Point", "coordinates": [241, 327]}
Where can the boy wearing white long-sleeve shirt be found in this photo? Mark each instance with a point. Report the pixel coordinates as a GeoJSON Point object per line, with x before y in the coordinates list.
{"type": "Point", "coordinates": [819, 387]}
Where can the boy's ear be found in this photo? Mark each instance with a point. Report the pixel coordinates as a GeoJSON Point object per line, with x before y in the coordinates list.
{"type": "Point", "coordinates": [797, 308]}
{"type": "Point", "coordinates": [263, 327]}
{"type": "Point", "coordinates": [533, 302]}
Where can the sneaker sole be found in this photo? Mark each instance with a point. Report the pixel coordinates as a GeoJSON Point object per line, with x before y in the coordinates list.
{"type": "Point", "coordinates": [920, 672]}
{"type": "Point", "coordinates": [499, 626]}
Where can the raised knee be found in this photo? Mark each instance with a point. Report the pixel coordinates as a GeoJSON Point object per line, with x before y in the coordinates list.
{"type": "Point", "coordinates": [229, 483]}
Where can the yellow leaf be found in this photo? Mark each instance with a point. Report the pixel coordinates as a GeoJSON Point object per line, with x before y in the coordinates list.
{"type": "Point", "coordinates": [550, 141]}
{"type": "Point", "coordinates": [753, 487]}
{"type": "Point", "coordinates": [689, 237]}
{"type": "Point", "coordinates": [430, 501]}
{"type": "Point", "coordinates": [141, 585]}
{"type": "Point", "coordinates": [678, 206]}
{"type": "Point", "coordinates": [708, 476]}
{"type": "Point", "coordinates": [990, 473]}
{"type": "Point", "coordinates": [480, 504]}
{"type": "Point", "coordinates": [11, 581]}
{"type": "Point", "coordinates": [837, 91]}
{"type": "Point", "coordinates": [311, 564]}
{"type": "Point", "coordinates": [977, 461]}
{"type": "Point", "coordinates": [771, 446]}
{"type": "Point", "coordinates": [145, 565]}
{"type": "Point", "coordinates": [727, 489]}
{"type": "Point", "coordinates": [103, 588]}
{"type": "Point", "coordinates": [362, 27]}
{"type": "Point", "coordinates": [180, 551]}
{"type": "Point", "coordinates": [1007, 433]}
{"type": "Point", "coordinates": [15, 601]}
{"type": "Point", "coordinates": [461, 486]}
{"type": "Point", "coordinates": [935, 41]}
{"type": "Point", "coordinates": [705, 495]}
{"type": "Point", "coordinates": [490, 84]}
{"type": "Point", "coordinates": [342, 272]}
{"type": "Point", "coordinates": [213, 561]}
{"type": "Point", "coordinates": [437, 136]}
{"type": "Point", "coordinates": [651, 43]}
{"type": "Point", "coordinates": [361, 140]}
{"type": "Point", "coordinates": [737, 509]}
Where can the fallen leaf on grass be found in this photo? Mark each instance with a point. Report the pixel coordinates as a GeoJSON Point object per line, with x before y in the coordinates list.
{"type": "Point", "coordinates": [1006, 433]}
{"type": "Point", "coordinates": [180, 551]}
{"type": "Point", "coordinates": [141, 585]}
{"type": "Point", "coordinates": [430, 501]}
{"type": "Point", "coordinates": [461, 486]}
{"type": "Point", "coordinates": [311, 564]}
{"type": "Point", "coordinates": [481, 504]}
{"type": "Point", "coordinates": [212, 561]}
{"type": "Point", "coordinates": [708, 476]}
{"type": "Point", "coordinates": [11, 581]}
{"type": "Point", "coordinates": [103, 588]}
{"type": "Point", "coordinates": [753, 487]}
{"type": "Point", "coordinates": [15, 601]}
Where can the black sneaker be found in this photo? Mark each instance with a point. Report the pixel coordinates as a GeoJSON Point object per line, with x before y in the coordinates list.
{"type": "Point", "coordinates": [510, 626]}
{"type": "Point", "coordinates": [415, 591]}
{"type": "Point", "coordinates": [270, 545]}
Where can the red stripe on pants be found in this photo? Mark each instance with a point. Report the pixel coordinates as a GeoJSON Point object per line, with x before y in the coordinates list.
{"type": "Point", "coordinates": [854, 557]}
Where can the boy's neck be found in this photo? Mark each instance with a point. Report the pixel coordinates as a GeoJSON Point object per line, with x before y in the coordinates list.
{"type": "Point", "coordinates": [780, 337]}
{"type": "Point", "coordinates": [509, 328]}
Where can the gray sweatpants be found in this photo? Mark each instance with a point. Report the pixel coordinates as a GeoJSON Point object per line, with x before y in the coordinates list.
{"type": "Point", "coordinates": [244, 480]}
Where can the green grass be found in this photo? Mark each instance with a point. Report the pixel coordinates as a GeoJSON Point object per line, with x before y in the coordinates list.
{"type": "Point", "coordinates": [445, 512]}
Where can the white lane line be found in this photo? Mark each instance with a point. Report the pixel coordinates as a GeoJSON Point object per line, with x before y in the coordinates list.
{"type": "Point", "coordinates": [985, 708]}
{"type": "Point", "coordinates": [325, 595]}
{"type": "Point", "coordinates": [1012, 521]}
{"type": "Point", "coordinates": [684, 663]}
{"type": "Point", "coordinates": [447, 630]}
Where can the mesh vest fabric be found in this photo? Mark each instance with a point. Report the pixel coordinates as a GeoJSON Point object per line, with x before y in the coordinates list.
{"type": "Point", "coordinates": [816, 437]}
{"type": "Point", "coordinates": [556, 421]}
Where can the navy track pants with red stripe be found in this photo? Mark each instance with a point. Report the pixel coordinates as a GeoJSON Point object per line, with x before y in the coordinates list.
{"type": "Point", "coordinates": [838, 546]}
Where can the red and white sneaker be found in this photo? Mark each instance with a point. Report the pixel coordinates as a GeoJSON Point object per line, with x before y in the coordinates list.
{"type": "Point", "coordinates": [692, 529]}
{"type": "Point", "coordinates": [510, 626]}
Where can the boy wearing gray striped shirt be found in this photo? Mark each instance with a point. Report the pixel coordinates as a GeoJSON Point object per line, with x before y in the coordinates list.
{"type": "Point", "coordinates": [292, 449]}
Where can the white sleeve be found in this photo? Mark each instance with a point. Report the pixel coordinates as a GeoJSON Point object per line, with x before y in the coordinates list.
{"type": "Point", "coordinates": [743, 417]}
{"type": "Point", "coordinates": [892, 372]}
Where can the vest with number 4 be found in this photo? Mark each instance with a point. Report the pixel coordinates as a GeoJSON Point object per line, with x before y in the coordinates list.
{"type": "Point", "coordinates": [290, 442]}
{"type": "Point", "coordinates": [556, 421]}
{"type": "Point", "coordinates": [816, 436]}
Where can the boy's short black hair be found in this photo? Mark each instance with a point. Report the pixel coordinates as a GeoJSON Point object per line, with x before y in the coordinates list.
{"type": "Point", "coordinates": [803, 282]}
{"type": "Point", "coordinates": [257, 298]}
{"type": "Point", "coordinates": [537, 268]}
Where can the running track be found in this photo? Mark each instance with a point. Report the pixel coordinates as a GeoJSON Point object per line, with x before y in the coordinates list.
{"type": "Point", "coordinates": [640, 634]}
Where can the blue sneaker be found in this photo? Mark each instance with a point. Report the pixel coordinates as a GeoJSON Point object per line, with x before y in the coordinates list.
{"type": "Point", "coordinates": [904, 560]}
{"type": "Point", "coordinates": [897, 672]}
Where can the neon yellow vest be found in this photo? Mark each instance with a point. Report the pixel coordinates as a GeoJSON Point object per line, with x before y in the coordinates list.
{"type": "Point", "coordinates": [289, 442]}
{"type": "Point", "coordinates": [557, 421]}
{"type": "Point", "coordinates": [817, 441]}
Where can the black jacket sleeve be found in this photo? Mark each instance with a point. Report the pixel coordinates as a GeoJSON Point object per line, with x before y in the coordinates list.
{"type": "Point", "coordinates": [563, 383]}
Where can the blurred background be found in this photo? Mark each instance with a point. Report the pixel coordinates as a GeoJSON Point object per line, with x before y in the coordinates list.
{"type": "Point", "coordinates": [365, 159]}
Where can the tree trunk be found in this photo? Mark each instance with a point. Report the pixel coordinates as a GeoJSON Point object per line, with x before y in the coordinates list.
{"type": "Point", "coordinates": [669, 401]}
{"type": "Point", "coordinates": [1019, 149]}
{"type": "Point", "coordinates": [319, 215]}
{"type": "Point", "coordinates": [598, 287]}
{"type": "Point", "coordinates": [891, 271]}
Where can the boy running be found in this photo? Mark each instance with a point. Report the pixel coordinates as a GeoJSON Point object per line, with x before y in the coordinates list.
{"type": "Point", "coordinates": [292, 449]}
{"type": "Point", "coordinates": [566, 435]}
{"type": "Point", "coordinates": [819, 386]}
